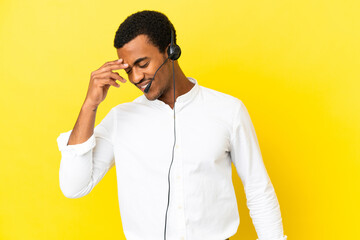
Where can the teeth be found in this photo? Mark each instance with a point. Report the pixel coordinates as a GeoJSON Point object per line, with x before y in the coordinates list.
{"type": "Point", "coordinates": [144, 86]}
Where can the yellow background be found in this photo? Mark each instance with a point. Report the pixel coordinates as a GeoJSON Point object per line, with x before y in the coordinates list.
{"type": "Point", "coordinates": [294, 64]}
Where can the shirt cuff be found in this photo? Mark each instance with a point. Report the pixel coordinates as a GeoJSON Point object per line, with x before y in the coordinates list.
{"type": "Point", "coordinates": [78, 149]}
{"type": "Point", "coordinates": [282, 238]}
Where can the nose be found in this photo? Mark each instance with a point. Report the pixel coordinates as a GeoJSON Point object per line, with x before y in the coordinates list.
{"type": "Point", "coordinates": [137, 76]}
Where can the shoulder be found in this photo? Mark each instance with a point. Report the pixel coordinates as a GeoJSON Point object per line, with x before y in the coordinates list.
{"type": "Point", "coordinates": [220, 99]}
{"type": "Point", "coordinates": [221, 106]}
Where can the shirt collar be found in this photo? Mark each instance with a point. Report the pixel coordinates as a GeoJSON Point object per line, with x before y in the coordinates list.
{"type": "Point", "coordinates": [180, 100]}
{"type": "Point", "coordinates": [186, 97]}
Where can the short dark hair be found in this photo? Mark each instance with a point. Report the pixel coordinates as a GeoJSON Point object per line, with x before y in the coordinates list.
{"type": "Point", "coordinates": [154, 24]}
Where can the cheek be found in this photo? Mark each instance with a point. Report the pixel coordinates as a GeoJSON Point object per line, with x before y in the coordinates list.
{"type": "Point", "coordinates": [152, 69]}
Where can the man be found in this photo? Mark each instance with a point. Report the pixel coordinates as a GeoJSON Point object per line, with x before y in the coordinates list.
{"type": "Point", "coordinates": [173, 157]}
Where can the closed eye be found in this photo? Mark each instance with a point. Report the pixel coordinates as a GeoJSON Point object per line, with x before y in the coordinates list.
{"type": "Point", "coordinates": [143, 66]}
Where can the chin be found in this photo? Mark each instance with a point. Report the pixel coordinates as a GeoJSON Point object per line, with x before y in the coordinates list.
{"type": "Point", "coordinates": [151, 96]}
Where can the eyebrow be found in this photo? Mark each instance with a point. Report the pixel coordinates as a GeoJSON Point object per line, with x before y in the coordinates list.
{"type": "Point", "coordinates": [138, 60]}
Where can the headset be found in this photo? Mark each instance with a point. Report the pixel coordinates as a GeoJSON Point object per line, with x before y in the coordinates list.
{"type": "Point", "coordinates": [173, 50]}
{"type": "Point", "coordinates": [173, 53]}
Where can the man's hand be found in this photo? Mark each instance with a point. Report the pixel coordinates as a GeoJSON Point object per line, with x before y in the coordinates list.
{"type": "Point", "coordinates": [101, 80]}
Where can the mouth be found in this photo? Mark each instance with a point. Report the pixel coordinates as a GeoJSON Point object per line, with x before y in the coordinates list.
{"type": "Point", "coordinates": [143, 86]}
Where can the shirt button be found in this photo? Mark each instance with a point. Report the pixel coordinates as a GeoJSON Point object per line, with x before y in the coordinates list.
{"type": "Point", "coordinates": [182, 238]}
{"type": "Point", "coordinates": [178, 177]}
{"type": "Point", "coordinates": [179, 207]}
{"type": "Point", "coordinates": [177, 146]}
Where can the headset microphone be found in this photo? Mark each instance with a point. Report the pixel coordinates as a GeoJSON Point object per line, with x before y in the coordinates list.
{"type": "Point", "coordinates": [173, 52]}
{"type": "Point", "coordinates": [148, 86]}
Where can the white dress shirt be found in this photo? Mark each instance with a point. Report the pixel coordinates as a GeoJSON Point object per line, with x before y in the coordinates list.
{"type": "Point", "coordinates": [213, 130]}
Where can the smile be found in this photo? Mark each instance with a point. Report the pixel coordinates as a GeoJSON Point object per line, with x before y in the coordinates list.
{"type": "Point", "coordinates": [142, 87]}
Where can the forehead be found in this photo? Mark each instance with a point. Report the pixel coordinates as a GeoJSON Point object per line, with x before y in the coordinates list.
{"type": "Point", "coordinates": [139, 47]}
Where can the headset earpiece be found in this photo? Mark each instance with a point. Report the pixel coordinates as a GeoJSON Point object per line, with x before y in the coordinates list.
{"type": "Point", "coordinates": [173, 50]}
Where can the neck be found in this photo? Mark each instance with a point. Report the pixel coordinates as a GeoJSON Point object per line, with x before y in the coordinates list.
{"type": "Point", "coordinates": [182, 86]}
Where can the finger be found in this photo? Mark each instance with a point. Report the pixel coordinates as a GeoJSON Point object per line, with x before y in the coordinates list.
{"type": "Point", "coordinates": [120, 78]}
{"type": "Point", "coordinates": [110, 68]}
{"type": "Point", "coordinates": [116, 76]}
{"type": "Point", "coordinates": [120, 60]}
{"type": "Point", "coordinates": [113, 67]}
{"type": "Point", "coordinates": [110, 75]}
{"type": "Point", "coordinates": [108, 81]}
{"type": "Point", "coordinates": [104, 82]}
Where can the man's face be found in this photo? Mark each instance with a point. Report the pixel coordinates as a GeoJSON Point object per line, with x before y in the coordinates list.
{"type": "Point", "coordinates": [144, 59]}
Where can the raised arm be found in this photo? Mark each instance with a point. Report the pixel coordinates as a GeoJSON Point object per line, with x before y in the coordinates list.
{"type": "Point", "coordinates": [87, 152]}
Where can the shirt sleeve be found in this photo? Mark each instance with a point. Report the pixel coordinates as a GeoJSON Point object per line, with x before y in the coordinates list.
{"type": "Point", "coordinates": [260, 194]}
{"type": "Point", "coordinates": [83, 165]}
